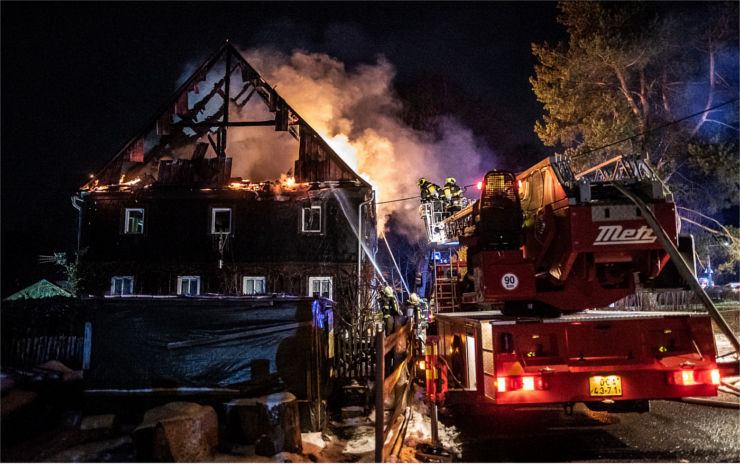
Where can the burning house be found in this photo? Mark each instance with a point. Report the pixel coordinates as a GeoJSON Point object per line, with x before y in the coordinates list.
{"type": "Point", "coordinates": [226, 191]}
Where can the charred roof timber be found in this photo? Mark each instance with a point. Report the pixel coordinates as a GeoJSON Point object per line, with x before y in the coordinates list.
{"type": "Point", "coordinates": [185, 143]}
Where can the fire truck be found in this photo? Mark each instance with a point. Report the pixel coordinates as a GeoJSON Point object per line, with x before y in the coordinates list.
{"type": "Point", "coordinates": [517, 275]}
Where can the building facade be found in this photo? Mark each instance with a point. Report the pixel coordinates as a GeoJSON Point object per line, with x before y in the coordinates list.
{"type": "Point", "coordinates": [180, 211]}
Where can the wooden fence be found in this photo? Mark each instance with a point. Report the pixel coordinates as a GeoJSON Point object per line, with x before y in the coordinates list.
{"type": "Point", "coordinates": [28, 352]}
{"type": "Point", "coordinates": [36, 331]}
{"type": "Point", "coordinates": [355, 354]}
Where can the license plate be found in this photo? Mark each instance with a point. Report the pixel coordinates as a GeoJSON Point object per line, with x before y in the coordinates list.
{"type": "Point", "coordinates": [605, 385]}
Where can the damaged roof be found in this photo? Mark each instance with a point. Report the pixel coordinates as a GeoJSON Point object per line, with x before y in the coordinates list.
{"type": "Point", "coordinates": [224, 124]}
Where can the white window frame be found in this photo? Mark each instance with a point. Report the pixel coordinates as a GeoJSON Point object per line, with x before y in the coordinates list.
{"type": "Point", "coordinates": [311, 280]}
{"type": "Point", "coordinates": [262, 279]}
{"type": "Point", "coordinates": [121, 278]}
{"type": "Point", "coordinates": [213, 220]}
{"type": "Point", "coordinates": [126, 229]}
{"type": "Point", "coordinates": [180, 279]}
{"type": "Point", "coordinates": [303, 219]}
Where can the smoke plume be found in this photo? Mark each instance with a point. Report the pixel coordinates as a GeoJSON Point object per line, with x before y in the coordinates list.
{"type": "Point", "coordinates": [357, 113]}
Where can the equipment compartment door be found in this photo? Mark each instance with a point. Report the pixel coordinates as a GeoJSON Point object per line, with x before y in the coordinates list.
{"type": "Point", "coordinates": [470, 361]}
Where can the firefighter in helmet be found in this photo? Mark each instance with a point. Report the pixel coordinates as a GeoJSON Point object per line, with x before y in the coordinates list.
{"type": "Point", "coordinates": [452, 196]}
{"type": "Point", "coordinates": [419, 310]}
{"type": "Point", "coordinates": [389, 308]}
{"type": "Point", "coordinates": [429, 190]}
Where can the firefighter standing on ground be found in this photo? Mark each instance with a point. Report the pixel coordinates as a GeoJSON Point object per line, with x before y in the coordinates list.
{"type": "Point", "coordinates": [429, 190]}
{"type": "Point", "coordinates": [452, 196]}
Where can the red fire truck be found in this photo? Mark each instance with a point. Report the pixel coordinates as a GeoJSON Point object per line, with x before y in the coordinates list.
{"type": "Point", "coordinates": [548, 243]}
{"type": "Point", "coordinates": [608, 359]}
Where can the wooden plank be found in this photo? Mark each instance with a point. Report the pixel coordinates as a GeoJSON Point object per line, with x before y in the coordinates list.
{"type": "Point", "coordinates": [392, 340]}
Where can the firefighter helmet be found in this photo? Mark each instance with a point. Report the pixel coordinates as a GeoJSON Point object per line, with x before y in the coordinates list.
{"type": "Point", "coordinates": [414, 298]}
{"type": "Point", "coordinates": [422, 181]}
{"type": "Point", "coordinates": [388, 291]}
{"type": "Point", "coordinates": [450, 180]}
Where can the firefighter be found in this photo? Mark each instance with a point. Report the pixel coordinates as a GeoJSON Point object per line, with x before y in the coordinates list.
{"type": "Point", "coordinates": [389, 308]}
{"type": "Point", "coordinates": [412, 308]}
{"type": "Point", "coordinates": [419, 310]}
{"type": "Point", "coordinates": [452, 196]}
{"type": "Point", "coordinates": [429, 190]}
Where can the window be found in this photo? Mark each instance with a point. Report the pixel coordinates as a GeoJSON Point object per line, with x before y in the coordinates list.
{"type": "Point", "coordinates": [311, 219]}
{"type": "Point", "coordinates": [188, 285]}
{"type": "Point", "coordinates": [134, 222]}
{"type": "Point", "coordinates": [320, 286]}
{"type": "Point", "coordinates": [253, 285]}
{"type": "Point", "coordinates": [122, 285]}
{"type": "Point", "coordinates": [221, 221]}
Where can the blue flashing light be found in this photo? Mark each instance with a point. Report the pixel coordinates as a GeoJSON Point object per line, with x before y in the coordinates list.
{"type": "Point", "coordinates": [437, 255]}
{"type": "Point", "coordinates": [451, 243]}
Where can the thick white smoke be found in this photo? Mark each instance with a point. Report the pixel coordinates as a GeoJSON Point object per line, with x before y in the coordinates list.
{"type": "Point", "coordinates": [357, 112]}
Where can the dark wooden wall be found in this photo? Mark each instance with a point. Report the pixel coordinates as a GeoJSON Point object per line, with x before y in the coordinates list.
{"type": "Point", "coordinates": [266, 239]}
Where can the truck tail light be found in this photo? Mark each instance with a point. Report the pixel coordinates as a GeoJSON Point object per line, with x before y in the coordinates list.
{"type": "Point", "coordinates": [527, 383]}
{"type": "Point", "coordinates": [687, 377]}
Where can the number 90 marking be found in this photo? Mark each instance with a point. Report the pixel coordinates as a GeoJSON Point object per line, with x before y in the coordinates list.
{"type": "Point", "coordinates": [510, 281]}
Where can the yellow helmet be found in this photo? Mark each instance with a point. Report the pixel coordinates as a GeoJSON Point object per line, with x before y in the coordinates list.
{"type": "Point", "coordinates": [422, 181]}
{"type": "Point", "coordinates": [414, 298]}
{"type": "Point", "coordinates": [450, 180]}
{"type": "Point", "coordinates": [388, 291]}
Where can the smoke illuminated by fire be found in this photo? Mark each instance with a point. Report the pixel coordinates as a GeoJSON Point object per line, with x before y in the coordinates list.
{"type": "Point", "coordinates": [357, 113]}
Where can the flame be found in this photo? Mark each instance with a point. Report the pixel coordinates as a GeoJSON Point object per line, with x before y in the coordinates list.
{"type": "Point", "coordinates": [287, 181]}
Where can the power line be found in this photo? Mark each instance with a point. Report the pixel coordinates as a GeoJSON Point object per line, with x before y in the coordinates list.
{"type": "Point", "coordinates": [676, 121]}
{"type": "Point", "coordinates": [400, 199]}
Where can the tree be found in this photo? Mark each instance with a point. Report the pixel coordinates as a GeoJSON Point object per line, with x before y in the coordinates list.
{"type": "Point", "coordinates": [629, 68]}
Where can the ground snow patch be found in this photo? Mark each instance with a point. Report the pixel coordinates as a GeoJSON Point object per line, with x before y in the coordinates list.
{"type": "Point", "coordinates": [312, 443]}
{"type": "Point", "coordinates": [420, 430]}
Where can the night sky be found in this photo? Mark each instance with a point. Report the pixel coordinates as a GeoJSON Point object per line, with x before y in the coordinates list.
{"type": "Point", "coordinates": [78, 80]}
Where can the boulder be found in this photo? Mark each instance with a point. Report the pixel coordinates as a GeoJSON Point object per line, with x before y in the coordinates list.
{"type": "Point", "coordinates": [15, 401]}
{"type": "Point", "coordinates": [100, 422]}
{"type": "Point", "coordinates": [177, 432]}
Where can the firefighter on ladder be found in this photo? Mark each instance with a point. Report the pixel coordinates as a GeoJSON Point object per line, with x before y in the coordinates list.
{"type": "Point", "coordinates": [389, 308]}
{"type": "Point", "coordinates": [419, 311]}
{"type": "Point", "coordinates": [429, 190]}
{"type": "Point", "coordinates": [452, 196]}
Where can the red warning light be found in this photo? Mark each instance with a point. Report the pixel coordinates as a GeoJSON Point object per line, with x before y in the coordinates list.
{"type": "Point", "coordinates": [480, 185]}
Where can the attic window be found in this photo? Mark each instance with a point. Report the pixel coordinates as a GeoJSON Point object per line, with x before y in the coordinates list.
{"type": "Point", "coordinates": [311, 219]}
{"type": "Point", "coordinates": [221, 221]}
{"type": "Point", "coordinates": [134, 221]}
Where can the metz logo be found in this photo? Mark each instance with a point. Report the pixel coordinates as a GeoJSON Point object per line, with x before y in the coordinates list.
{"type": "Point", "coordinates": [612, 235]}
